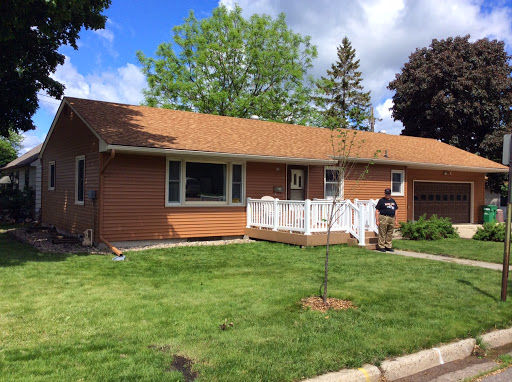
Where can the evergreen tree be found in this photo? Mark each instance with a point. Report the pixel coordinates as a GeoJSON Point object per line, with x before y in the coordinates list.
{"type": "Point", "coordinates": [340, 96]}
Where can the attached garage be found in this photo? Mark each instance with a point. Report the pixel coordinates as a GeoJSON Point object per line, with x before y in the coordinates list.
{"type": "Point", "coordinates": [444, 199]}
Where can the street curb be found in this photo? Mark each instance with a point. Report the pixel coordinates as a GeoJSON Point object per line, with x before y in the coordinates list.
{"type": "Point", "coordinates": [401, 367]}
{"type": "Point", "coordinates": [414, 363]}
{"type": "Point", "coordinates": [497, 338]}
{"type": "Point", "coordinates": [367, 373]}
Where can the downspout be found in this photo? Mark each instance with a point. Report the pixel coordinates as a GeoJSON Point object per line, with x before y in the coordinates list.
{"type": "Point", "coordinates": [103, 168]}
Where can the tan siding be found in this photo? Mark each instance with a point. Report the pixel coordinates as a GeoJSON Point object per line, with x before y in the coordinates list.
{"type": "Point", "coordinates": [134, 206]}
{"type": "Point", "coordinates": [316, 182]}
{"type": "Point", "coordinates": [70, 138]}
{"type": "Point", "coordinates": [477, 179]}
{"type": "Point", "coordinates": [262, 177]}
{"type": "Point", "coordinates": [373, 184]}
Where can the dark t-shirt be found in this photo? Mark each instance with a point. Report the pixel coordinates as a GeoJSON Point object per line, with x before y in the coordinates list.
{"type": "Point", "coordinates": [387, 207]}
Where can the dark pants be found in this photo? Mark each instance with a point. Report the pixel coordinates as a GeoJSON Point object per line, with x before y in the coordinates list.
{"type": "Point", "coordinates": [386, 228]}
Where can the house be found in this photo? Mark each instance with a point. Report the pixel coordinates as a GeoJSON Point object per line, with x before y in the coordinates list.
{"type": "Point", "coordinates": [132, 173]}
{"type": "Point", "coordinates": [25, 171]}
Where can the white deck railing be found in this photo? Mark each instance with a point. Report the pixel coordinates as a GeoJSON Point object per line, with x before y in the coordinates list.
{"type": "Point", "coordinates": [308, 216]}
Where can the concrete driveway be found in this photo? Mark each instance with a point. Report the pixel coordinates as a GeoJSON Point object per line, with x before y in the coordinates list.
{"type": "Point", "coordinates": [466, 231]}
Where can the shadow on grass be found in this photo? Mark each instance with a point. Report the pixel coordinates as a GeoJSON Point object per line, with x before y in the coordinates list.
{"type": "Point", "coordinates": [14, 253]}
{"type": "Point", "coordinates": [481, 291]}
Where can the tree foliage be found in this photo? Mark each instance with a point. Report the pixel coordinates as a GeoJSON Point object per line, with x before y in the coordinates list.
{"type": "Point", "coordinates": [341, 99]}
{"type": "Point", "coordinates": [455, 91]}
{"type": "Point", "coordinates": [227, 65]}
{"type": "Point", "coordinates": [30, 34]}
{"type": "Point", "coordinates": [9, 148]}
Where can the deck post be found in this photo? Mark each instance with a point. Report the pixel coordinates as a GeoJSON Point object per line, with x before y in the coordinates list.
{"type": "Point", "coordinates": [276, 215]}
{"type": "Point", "coordinates": [362, 239]}
{"type": "Point", "coordinates": [248, 213]}
{"type": "Point", "coordinates": [307, 220]}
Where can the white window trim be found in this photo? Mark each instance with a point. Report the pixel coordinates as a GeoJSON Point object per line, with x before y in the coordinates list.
{"type": "Point", "coordinates": [342, 182]}
{"type": "Point", "coordinates": [183, 173]}
{"type": "Point", "coordinates": [402, 185]}
{"type": "Point", "coordinates": [230, 184]}
{"type": "Point", "coordinates": [77, 159]}
{"type": "Point", "coordinates": [50, 164]}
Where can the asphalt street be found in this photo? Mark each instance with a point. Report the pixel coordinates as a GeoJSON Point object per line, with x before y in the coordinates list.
{"type": "Point", "coordinates": [505, 376]}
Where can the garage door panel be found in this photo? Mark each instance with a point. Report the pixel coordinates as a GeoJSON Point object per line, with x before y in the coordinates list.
{"type": "Point", "coordinates": [451, 200]}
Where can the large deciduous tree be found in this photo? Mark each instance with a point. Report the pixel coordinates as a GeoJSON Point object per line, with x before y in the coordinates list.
{"type": "Point", "coordinates": [228, 65]}
{"type": "Point", "coordinates": [31, 32]}
{"type": "Point", "coordinates": [341, 99]}
{"type": "Point", "coordinates": [455, 91]}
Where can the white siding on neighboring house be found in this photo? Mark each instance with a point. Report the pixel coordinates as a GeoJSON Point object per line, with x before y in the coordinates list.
{"type": "Point", "coordinates": [35, 182]}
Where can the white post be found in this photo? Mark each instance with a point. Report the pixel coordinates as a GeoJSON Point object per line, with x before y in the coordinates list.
{"type": "Point", "coordinates": [362, 240]}
{"type": "Point", "coordinates": [276, 215]}
{"type": "Point", "coordinates": [307, 223]}
{"type": "Point", "coordinates": [248, 212]}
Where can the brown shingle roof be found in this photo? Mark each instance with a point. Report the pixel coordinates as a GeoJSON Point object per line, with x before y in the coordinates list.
{"type": "Point", "coordinates": [141, 126]}
{"type": "Point", "coordinates": [24, 160]}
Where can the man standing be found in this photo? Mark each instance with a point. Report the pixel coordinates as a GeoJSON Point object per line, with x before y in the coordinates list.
{"type": "Point", "coordinates": [386, 218]}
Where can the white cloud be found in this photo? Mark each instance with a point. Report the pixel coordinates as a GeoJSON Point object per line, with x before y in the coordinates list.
{"type": "Point", "coordinates": [29, 142]}
{"type": "Point", "coordinates": [123, 85]}
{"type": "Point", "coordinates": [106, 34]}
{"type": "Point", "coordinates": [383, 32]}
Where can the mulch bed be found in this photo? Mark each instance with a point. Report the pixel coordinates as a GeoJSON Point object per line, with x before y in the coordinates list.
{"type": "Point", "coordinates": [317, 304]}
{"type": "Point", "coordinates": [49, 240]}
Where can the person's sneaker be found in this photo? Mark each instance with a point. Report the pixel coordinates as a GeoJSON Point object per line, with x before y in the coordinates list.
{"type": "Point", "coordinates": [119, 258]}
{"type": "Point", "coordinates": [390, 250]}
{"type": "Point", "coordinates": [381, 249]}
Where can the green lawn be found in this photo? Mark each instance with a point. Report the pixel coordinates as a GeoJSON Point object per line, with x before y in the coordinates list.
{"type": "Point", "coordinates": [489, 251]}
{"type": "Point", "coordinates": [87, 318]}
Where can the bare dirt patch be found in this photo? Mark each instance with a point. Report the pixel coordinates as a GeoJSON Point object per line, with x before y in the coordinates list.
{"type": "Point", "coordinates": [184, 366]}
{"type": "Point", "coordinates": [179, 363]}
{"type": "Point", "coordinates": [317, 304]}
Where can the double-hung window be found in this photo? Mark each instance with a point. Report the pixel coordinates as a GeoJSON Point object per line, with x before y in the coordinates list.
{"type": "Point", "coordinates": [236, 184]}
{"type": "Point", "coordinates": [397, 182]}
{"type": "Point", "coordinates": [333, 182]}
{"type": "Point", "coordinates": [51, 175]}
{"type": "Point", "coordinates": [195, 182]}
{"type": "Point", "coordinates": [80, 180]}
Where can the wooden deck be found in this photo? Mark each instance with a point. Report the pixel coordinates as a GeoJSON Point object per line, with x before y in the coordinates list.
{"type": "Point", "coordinates": [309, 240]}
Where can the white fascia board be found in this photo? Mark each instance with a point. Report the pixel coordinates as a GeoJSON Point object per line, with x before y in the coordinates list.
{"type": "Point", "coordinates": [57, 116]}
{"type": "Point", "coordinates": [430, 166]}
{"type": "Point", "coordinates": [196, 153]}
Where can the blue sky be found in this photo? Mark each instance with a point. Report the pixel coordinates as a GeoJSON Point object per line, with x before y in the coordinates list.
{"type": "Point", "coordinates": [383, 32]}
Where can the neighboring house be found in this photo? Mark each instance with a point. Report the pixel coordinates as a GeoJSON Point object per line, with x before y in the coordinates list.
{"type": "Point", "coordinates": [141, 173]}
{"type": "Point", "coordinates": [26, 171]}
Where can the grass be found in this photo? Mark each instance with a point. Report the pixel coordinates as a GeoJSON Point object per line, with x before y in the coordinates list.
{"type": "Point", "coordinates": [489, 251]}
{"type": "Point", "coordinates": [87, 318]}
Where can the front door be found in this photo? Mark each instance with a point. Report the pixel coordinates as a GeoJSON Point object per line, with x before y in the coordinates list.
{"type": "Point", "coordinates": [297, 184]}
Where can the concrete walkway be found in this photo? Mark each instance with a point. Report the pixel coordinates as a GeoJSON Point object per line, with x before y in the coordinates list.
{"type": "Point", "coordinates": [472, 263]}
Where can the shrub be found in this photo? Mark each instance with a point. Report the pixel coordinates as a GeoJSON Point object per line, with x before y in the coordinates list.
{"type": "Point", "coordinates": [434, 228]}
{"type": "Point", "coordinates": [16, 204]}
{"type": "Point", "coordinates": [490, 232]}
